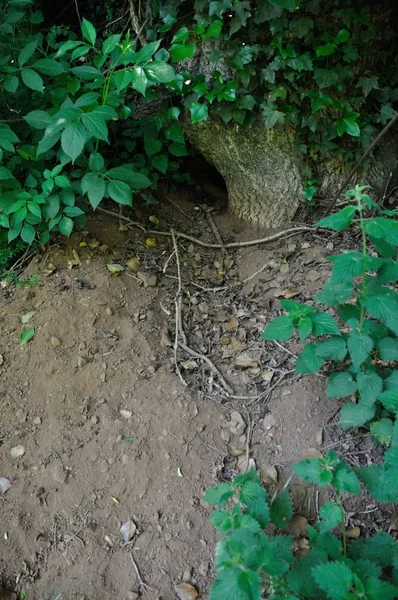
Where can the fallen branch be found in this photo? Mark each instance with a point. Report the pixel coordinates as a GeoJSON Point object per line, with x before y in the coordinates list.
{"type": "Point", "coordinates": [179, 330]}
{"type": "Point", "coordinates": [359, 163]}
{"type": "Point", "coordinates": [214, 229]}
{"type": "Point", "coordinates": [212, 366]}
{"type": "Point", "coordinates": [142, 583]}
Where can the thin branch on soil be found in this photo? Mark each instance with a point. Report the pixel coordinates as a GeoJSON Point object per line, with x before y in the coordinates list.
{"type": "Point", "coordinates": [248, 439]}
{"type": "Point", "coordinates": [359, 163]}
{"type": "Point", "coordinates": [178, 319]}
{"type": "Point", "coordinates": [167, 262]}
{"type": "Point", "coordinates": [179, 291]}
{"type": "Point", "coordinates": [119, 216]}
{"type": "Point", "coordinates": [214, 228]}
{"type": "Point", "coordinates": [142, 583]}
{"type": "Point", "coordinates": [285, 349]}
{"type": "Point", "coordinates": [212, 366]}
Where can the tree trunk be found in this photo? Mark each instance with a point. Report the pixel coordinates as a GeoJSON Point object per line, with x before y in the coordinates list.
{"type": "Point", "coordinates": [264, 177]}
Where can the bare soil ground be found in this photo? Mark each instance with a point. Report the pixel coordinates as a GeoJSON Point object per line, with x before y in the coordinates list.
{"type": "Point", "coordinates": [108, 431]}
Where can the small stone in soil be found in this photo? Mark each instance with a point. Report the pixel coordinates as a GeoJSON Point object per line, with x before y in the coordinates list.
{"type": "Point", "coordinates": [17, 452]}
{"type": "Point", "coordinates": [55, 342]}
{"type": "Point", "coordinates": [237, 425]}
{"type": "Point", "coordinates": [148, 279]}
{"type": "Point", "coordinates": [37, 421]}
{"type": "Point", "coordinates": [313, 276]}
{"type": "Point", "coordinates": [59, 473]}
{"type": "Point", "coordinates": [126, 414]}
{"type": "Point", "coordinates": [269, 422]}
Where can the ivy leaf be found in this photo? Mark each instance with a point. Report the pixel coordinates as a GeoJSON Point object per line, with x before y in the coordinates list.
{"type": "Point", "coordinates": [382, 430]}
{"type": "Point", "coordinates": [88, 31]}
{"type": "Point", "coordinates": [367, 84]}
{"type": "Point", "coordinates": [199, 112]}
{"type": "Point", "coordinates": [73, 139]}
{"type": "Point", "coordinates": [273, 117]}
{"type": "Point", "coordinates": [182, 51]}
{"type": "Point", "coordinates": [348, 126]}
{"type": "Point", "coordinates": [308, 361]}
{"type": "Point", "coordinates": [32, 80]}
{"type": "Point", "coordinates": [326, 50]}
{"type": "Point", "coordinates": [342, 36]}
{"type": "Point", "coordinates": [280, 329]}
{"type": "Point", "coordinates": [94, 186]}
{"type": "Point", "coordinates": [360, 346]}
{"type": "Point", "coordinates": [120, 192]}
{"type": "Point", "coordinates": [355, 415]}
{"type": "Point", "coordinates": [281, 510]}
{"type": "Point", "coordinates": [301, 26]}
{"type": "Point", "coordinates": [213, 31]}
{"type": "Point", "coordinates": [340, 385]}
{"type": "Point", "coordinates": [325, 78]}
{"type": "Point", "coordinates": [340, 220]}
{"type": "Point", "coordinates": [26, 335]}
{"type": "Point", "coordinates": [160, 72]}
{"type": "Point", "coordinates": [160, 162]}
{"type": "Point", "coordinates": [334, 578]}
{"type": "Point", "coordinates": [301, 63]}
{"type": "Point", "coordinates": [289, 4]}
{"type": "Point", "coordinates": [334, 348]}
{"type": "Point", "coordinates": [331, 515]}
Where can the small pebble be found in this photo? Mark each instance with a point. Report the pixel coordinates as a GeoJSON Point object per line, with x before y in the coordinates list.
{"type": "Point", "coordinates": [126, 414]}
{"type": "Point", "coordinates": [94, 419]}
{"type": "Point", "coordinates": [313, 276]}
{"type": "Point", "coordinates": [37, 421]}
{"type": "Point", "coordinates": [269, 422]}
{"type": "Point", "coordinates": [55, 342]}
{"type": "Point", "coordinates": [81, 361]}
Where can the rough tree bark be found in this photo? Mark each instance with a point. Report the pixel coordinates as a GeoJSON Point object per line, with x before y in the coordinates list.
{"type": "Point", "coordinates": [264, 177]}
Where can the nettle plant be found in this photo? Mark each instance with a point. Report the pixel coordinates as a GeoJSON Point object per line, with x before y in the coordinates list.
{"type": "Point", "coordinates": [361, 347]}
{"type": "Point", "coordinates": [256, 558]}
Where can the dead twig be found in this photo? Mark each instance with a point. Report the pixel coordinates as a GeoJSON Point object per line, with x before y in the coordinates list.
{"type": "Point", "coordinates": [178, 318]}
{"type": "Point", "coordinates": [248, 439]}
{"type": "Point", "coordinates": [285, 349]}
{"type": "Point", "coordinates": [214, 228]}
{"type": "Point", "coordinates": [212, 366]}
{"type": "Point", "coordinates": [359, 163]}
{"type": "Point", "coordinates": [142, 583]}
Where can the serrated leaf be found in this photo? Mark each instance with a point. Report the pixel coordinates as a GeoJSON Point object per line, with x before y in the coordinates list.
{"type": "Point", "coordinates": [281, 510]}
{"type": "Point", "coordinates": [219, 494]}
{"type": "Point", "coordinates": [334, 348]}
{"type": "Point", "coordinates": [376, 589]}
{"type": "Point", "coordinates": [308, 360]}
{"type": "Point", "coordinates": [178, 149]}
{"type": "Point", "coordinates": [340, 220]}
{"type": "Point", "coordinates": [221, 519]}
{"type": "Point", "coordinates": [120, 192]}
{"type": "Point", "coordinates": [388, 348]}
{"type": "Point", "coordinates": [360, 346]}
{"type": "Point", "coordinates": [385, 229]}
{"type": "Point", "coordinates": [152, 146]}
{"type": "Point", "coordinates": [324, 324]}
{"type": "Point", "coordinates": [304, 327]}
{"type": "Point", "coordinates": [330, 515]}
{"type": "Point", "coordinates": [335, 293]}
{"type": "Point", "coordinates": [385, 308]}
{"type": "Point", "coordinates": [345, 480]}
{"type": "Point", "coordinates": [369, 387]}
{"type": "Point", "coordinates": [334, 578]}
{"type": "Point", "coordinates": [340, 385]}
{"type": "Point", "coordinates": [236, 583]}
{"type": "Point", "coordinates": [355, 415]}
{"type": "Point", "coordinates": [313, 470]}
{"type": "Point", "coordinates": [351, 264]}
{"type": "Point", "coordinates": [251, 491]}
{"type": "Point", "coordinates": [389, 399]}
{"type": "Point", "coordinates": [160, 162]}
{"type": "Point", "coordinates": [280, 329]}
{"type": "Point", "coordinates": [382, 430]}
{"type": "Point", "coordinates": [26, 335]}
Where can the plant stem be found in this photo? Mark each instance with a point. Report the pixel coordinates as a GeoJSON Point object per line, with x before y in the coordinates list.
{"type": "Point", "coordinates": [343, 529]}
{"type": "Point", "coordinates": [364, 255]}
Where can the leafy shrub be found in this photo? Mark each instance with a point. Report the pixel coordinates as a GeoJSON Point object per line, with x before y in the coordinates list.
{"type": "Point", "coordinates": [250, 562]}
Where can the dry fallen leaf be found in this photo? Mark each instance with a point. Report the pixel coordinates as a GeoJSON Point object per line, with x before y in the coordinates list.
{"type": "Point", "coordinates": [185, 591]}
{"type": "Point", "coordinates": [133, 264]}
{"type": "Point", "coordinates": [311, 453]}
{"type": "Point", "coordinates": [225, 340]}
{"type": "Point", "coordinates": [237, 453]}
{"type": "Point", "coordinates": [269, 474]}
{"type": "Point", "coordinates": [267, 375]}
{"type": "Point", "coordinates": [232, 324]}
{"type": "Point", "coordinates": [353, 533]}
{"type": "Point", "coordinates": [243, 465]}
{"type": "Point", "coordinates": [5, 485]}
{"type": "Point", "coordinates": [189, 365]}
{"type": "Point", "coordinates": [115, 269]}
{"type": "Point", "coordinates": [49, 270]}
{"type": "Point", "coordinates": [128, 530]}
{"type": "Point", "coordinates": [27, 317]}
{"type": "Point", "coordinates": [150, 242]}
{"type": "Point", "coordinates": [245, 361]}
{"type": "Point", "coordinates": [126, 414]}
{"type": "Point", "coordinates": [75, 261]}
{"type": "Point", "coordinates": [94, 243]}
{"type": "Point", "coordinates": [298, 526]}
{"type": "Point", "coordinates": [289, 293]}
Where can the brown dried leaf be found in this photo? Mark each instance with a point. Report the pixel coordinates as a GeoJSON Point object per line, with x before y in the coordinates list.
{"type": "Point", "coordinates": [353, 533]}
{"type": "Point", "coordinates": [133, 264]}
{"type": "Point", "coordinates": [289, 293]}
{"type": "Point", "coordinates": [232, 324]}
{"type": "Point", "coordinates": [49, 270]}
{"type": "Point", "coordinates": [311, 453]}
{"type": "Point", "coordinates": [270, 474]}
{"type": "Point", "coordinates": [225, 340]}
{"type": "Point", "coordinates": [298, 526]}
{"type": "Point", "coordinates": [185, 591]}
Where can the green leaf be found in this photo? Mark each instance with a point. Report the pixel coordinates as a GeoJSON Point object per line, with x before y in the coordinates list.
{"type": "Point", "coordinates": [280, 329]}
{"type": "Point", "coordinates": [235, 583]}
{"type": "Point", "coordinates": [136, 181]}
{"type": "Point", "coordinates": [87, 72]}
{"type": "Point", "coordinates": [139, 80]}
{"type": "Point", "coordinates": [219, 494]}
{"type": "Point", "coordinates": [281, 510]}
{"type": "Point", "coordinates": [27, 51]}
{"type": "Point", "coordinates": [178, 149]}
{"type": "Point", "coordinates": [222, 520]}
{"type": "Point", "coordinates": [326, 78]}
{"type": "Point", "coordinates": [389, 399]}
{"type": "Point", "coordinates": [383, 228]}
{"type": "Point", "coordinates": [26, 335]}
{"type": "Point", "coordinates": [334, 348]}
{"type": "Point", "coordinates": [199, 112]}
{"type": "Point", "coordinates": [5, 173]}
{"type": "Point", "coordinates": [96, 162]}
{"type": "Point", "coordinates": [160, 71]}
{"type": "Point", "coordinates": [213, 31]}
{"type": "Point", "coordinates": [334, 578]}
{"type": "Point", "coordinates": [146, 52]}
{"type": "Point", "coordinates": [326, 49]}
{"type": "Point", "coordinates": [331, 516]}
{"type": "Point", "coordinates": [345, 480]}
{"type": "Point", "coordinates": [38, 119]}
{"type": "Point", "coordinates": [11, 84]}
{"type": "Point", "coordinates": [88, 31]}
{"type": "Point", "coordinates": [67, 46]}
{"type": "Point", "coordinates": [73, 211]}
{"type": "Point", "coordinates": [289, 4]}
{"type": "Point", "coordinates": [73, 139]}
{"type": "Point", "coordinates": [65, 226]}
{"type": "Point", "coordinates": [335, 293]}
{"type": "Point", "coordinates": [382, 430]}
{"type": "Point", "coordinates": [28, 234]}
{"type": "Point", "coordinates": [48, 66]}
{"type": "Point", "coordinates": [340, 220]}
{"type": "Point", "coordinates": [348, 265]}
{"type": "Point", "coordinates": [313, 471]}
{"type": "Point", "coordinates": [152, 146]}
{"type": "Point", "coordinates": [308, 361]}
{"type": "Point", "coordinates": [95, 125]}
{"type": "Point", "coordinates": [388, 348]}
{"type": "Point", "coordinates": [376, 589]}
{"type": "Point", "coordinates": [301, 26]}
{"type": "Point", "coordinates": [120, 192]}
{"type": "Point", "coordinates": [251, 491]}
{"type": "Point", "coordinates": [47, 142]}
{"type": "Point", "coordinates": [86, 99]}
{"type": "Point", "coordinates": [355, 415]}
{"type": "Point", "coordinates": [305, 327]}
{"type": "Point", "coordinates": [369, 387]}
{"type": "Point", "coordinates": [340, 385]}
{"type": "Point", "coordinates": [110, 43]}
{"type": "Point", "coordinates": [324, 324]}
{"type": "Point", "coordinates": [160, 162]}
{"type": "Point", "coordinates": [175, 133]}
{"type": "Point", "coordinates": [32, 80]}
{"type": "Point", "coordinates": [94, 186]}
{"type": "Point", "coordinates": [342, 36]}
{"type": "Point", "coordinates": [385, 308]}
{"type": "Point", "coordinates": [360, 346]}
{"type": "Point", "coordinates": [182, 51]}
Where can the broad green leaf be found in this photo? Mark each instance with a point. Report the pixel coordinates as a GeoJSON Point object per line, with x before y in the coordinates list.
{"type": "Point", "coordinates": [219, 494]}
{"type": "Point", "coordinates": [326, 49]}
{"type": "Point", "coordinates": [73, 139]}
{"type": "Point", "coordinates": [385, 308]}
{"type": "Point", "coordinates": [276, 555]}
{"type": "Point", "coordinates": [308, 360]}
{"type": "Point", "coordinates": [178, 149]}
{"type": "Point", "coordinates": [389, 399]}
{"type": "Point", "coordinates": [180, 36]}
{"type": "Point", "coordinates": [160, 71]}
{"type": "Point", "coordinates": [152, 146]}
{"type": "Point", "coordinates": [136, 181]}
{"type": "Point", "coordinates": [280, 329]}
{"type": "Point", "coordinates": [95, 126]}
{"type": "Point", "coordinates": [32, 80]}
{"type": "Point", "coordinates": [334, 578]}
{"type": "Point", "coordinates": [38, 119]}
{"type": "Point", "coordinates": [281, 510]}
{"type": "Point", "coordinates": [301, 26]}
{"type": "Point", "coordinates": [236, 583]}
{"type": "Point", "coordinates": [28, 234]}
{"type": "Point", "coordinates": [355, 415]}
{"type": "Point", "coordinates": [27, 52]}
{"type": "Point", "coordinates": [146, 52]}
{"type": "Point", "coordinates": [289, 4]}
{"type": "Point", "coordinates": [122, 79]}
{"type": "Point", "coordinates": [388, 272]}
{"type": "Point", "coordinates": [340, 220]}
{"type": "Point", "coordinates": [324, 324]}
{"type": "Point", "coordinates": [199, 112]}
{"type": "Point", "coordinates": [213, 31]}
{"type": "Point", "coordinates": [352, 264]}
{"type": "Point", "coordinates": [334, 348]}
{"type": "Point", "coordinates": [86, 99]}
{"type": "Point", "coordinates": [110, 43]}
{"type": "Point", "coordinates": [94, 186]}
{"type": "Point", "coordinates": [222, 520]}
{"type": "Point", "coordinates": [26, 335]}
{"type": "Point", "coordinates": [376, 589]}
{"type": "Point", "coordinates": [96, 161]}
{"type": "Point", "coordinates": [120, 192]}
{"type": "Point", "coordinates": [11, 84]}
{"type": "Point", "coordinates": [175, 133]}
{"type": "Point", "coordinates": [139, 80]}
{"type": "Point", "coordinates": [88, 31]}
{"type": "Point", "coordinates": [304, 327]}
{"type": "Point", "coordinates": [360, 346]}
{"type": "Point", "coordinates": [330, 515]}
{"type": "Point", "coordinates": [87, 72]}
{"type": "Point", "coordinates": [182, 51]}
{"type": "Point", "coordinates": [65, 226]}
{"type": "Point", "coordinates": [335, 293]}
{"type": "Point", "coordinates": [160, 162]}
{"type": "Point", "coordinates": [388, 348]}
{"type": "Point", "coordinates": [382, 430]}
{"type": "Point", "coordinates": [5, 173]}
{"type": "Point", "coordinates": [48, 66]}
{"type": "Point", "coordinates": [313, 470]}
{"type": "Point", "coordinates": [251, 491]}
{"type": "Point", "coordinates": [385, 229]}
{"type": "Point", "coordinates": [47, 142]}
{"type": "Point", "coordinates": [67, 46]}
{"type": "Point", "coordinates": [345, 480]}
{"type": "Point", "coordinates": [73, 211]}
{"type": "Point", "coordinates": [342, 36]}
{"type": "Point", "coordinates": [369, 387]}
{"type": "Point", "coordinates": [340, 385]}
{"type": "Point", "coordinates": [326, 78]}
